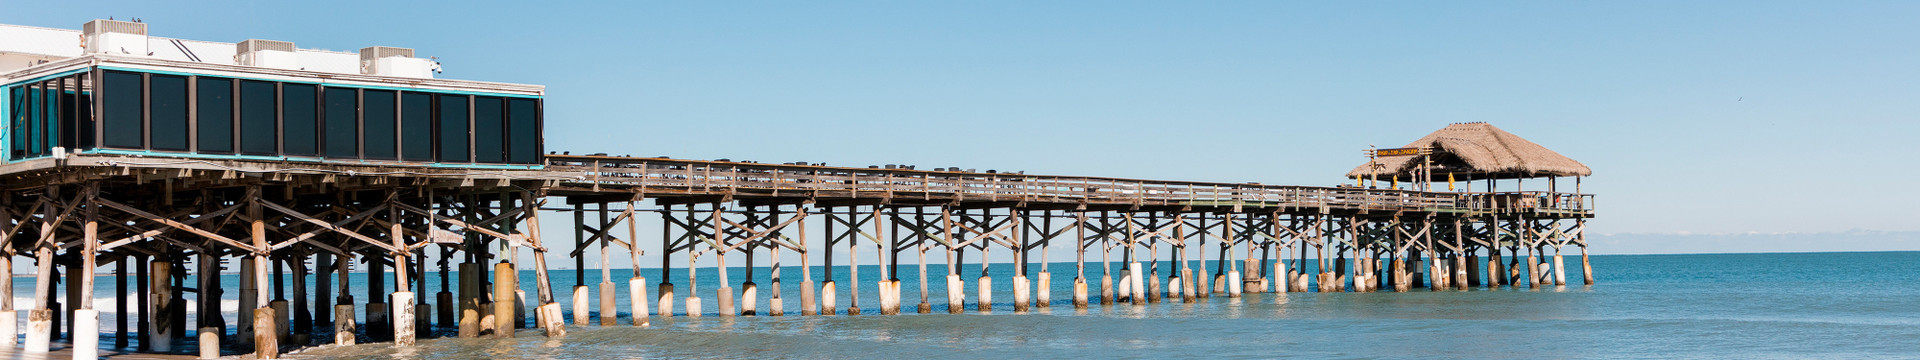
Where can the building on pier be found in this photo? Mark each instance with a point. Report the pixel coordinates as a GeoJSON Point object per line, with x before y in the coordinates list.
{"type": "Point", "coordinates": [172, 158]}
{"type": "Point", "coordinates": [1490, 219]}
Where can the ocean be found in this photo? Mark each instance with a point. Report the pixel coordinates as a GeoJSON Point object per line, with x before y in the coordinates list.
{"type": "Point", "coordinates": [1738, 306]}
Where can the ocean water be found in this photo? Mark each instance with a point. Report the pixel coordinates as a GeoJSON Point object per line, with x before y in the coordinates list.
{"type": "Point", "coordinates": [1744, 306]}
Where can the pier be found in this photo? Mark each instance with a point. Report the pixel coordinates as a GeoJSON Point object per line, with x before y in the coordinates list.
{"type": "Point", "coordinates": [165, 163]}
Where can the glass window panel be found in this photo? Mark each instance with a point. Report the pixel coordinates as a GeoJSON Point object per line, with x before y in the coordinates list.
{"type": "Point", "coordinates": [17, 121]}
{"type": "Point", "coordinates": [343, 123]}
{"type": "Point", "coordinates": [523, 131]}
{"type": "Point", "coordinates": [298, 126]}
{"type": "Point", "coordinates": [67, 131]}
{"type": "Point", "coordinates": [168, 101]}
{"type": "Point", "coordinates": [36, 108]}
{"type": "Point", "coordinates": [84, 130]}
{"type": "Point", "coordinates": [416, 128]}
{"type": "Point", "coordinates": [213, 123]}
{"type": "Point", "coordinates": [489, 141]}
{"type": "Point", "coordinates": [121, 120]}
{"type": "Point", "coordinates": [50, 112]}
{"type": "Point", "coordinates": [378, 124]}
{"type": "Point", "coordinates": [259, 127]}
{"type": "Point", "coordinates": [453, 129]}
{"type": "Point", "coordinates": [62, 118]}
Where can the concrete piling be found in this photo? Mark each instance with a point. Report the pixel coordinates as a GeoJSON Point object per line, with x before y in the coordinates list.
{"type": "Point", "coordinates": [281, 324]}
{"type": "Point", "coordinates": [1079, 293]}
{"type": "Point", "coordinates": [750, 298]}
{"type": "Point", "coordinates": [723, 301]}
{"type": "Point", "coordinates": [1233, 284]}
{"type": "Point", "coordinates": [505, 281]}
{"type": "Point", "coordinates": [1137, 282]}
{"type": "Point", "coordinates": [343, 324]}
{"type": "Point", "coordinates": [581, 312]}
{"type": "Point", "coordinates": [1020, 295]}
{"type": "Point", "coordinates": [889, 297]}
{"type": "Point", "coordinates": [637, 291]}
{"type": "Point", "coordinates": [775, 305]}
{"type": "Point", "coordinates": [827, 300]}
{"type": "Point", "coordinates": [955, 294]}
{"type": "Point", "coordinates": [807, 302]}
{"type": "Point", "coordinates": [609, 313]}
{"type": "Point", "coordinates": [446, 307]}
{"type": "Point", "coordinates": [40, 332]}
{"type": "Point", "coordinates": [161, 293]}
{"type": "Point", "coordinates": [403, 318]}
{"type": "Point", "coordinates": [1185, 286]}
{"type": "Point", "coordinates": [209, 338]}
{"type": "Point", "coordinates": [986, 292]}
{"type": "Point", "coordinates": [265, 344]}
{"type": "Point", "coordinates": [1044, 298]}
{"type": "Point", "coordinates": [1106, 289]}
{"type": "Point", "coordinates": [86, 333]}
{"type": "Point", "coordinates": [549, 314]}
{"type": "Point", "coordinates": [1559, 268]}
{"type": "Point", "coordinates": [470, 300]}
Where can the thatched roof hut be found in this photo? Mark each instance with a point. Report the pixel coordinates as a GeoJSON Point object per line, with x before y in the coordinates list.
{"type": "Point", "coordinates": [1476, 150]}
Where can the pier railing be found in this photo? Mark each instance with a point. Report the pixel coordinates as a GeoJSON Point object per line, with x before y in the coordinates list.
{"type": "Point", "coordinates": [1537, 202]}
{"type": "Point", "coordinates": [699, 177]}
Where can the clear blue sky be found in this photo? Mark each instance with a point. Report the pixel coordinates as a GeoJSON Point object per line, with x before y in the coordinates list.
{"type": "Point", "coordinates": [1703, 117]}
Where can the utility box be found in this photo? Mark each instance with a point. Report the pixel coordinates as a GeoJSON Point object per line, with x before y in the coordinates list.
{"type": "Point", "coordinates": [115, 37]}
{"type": "Point", "coordinates": [267, 54]}
{"type": "Point", "coordinates": [393, 61]}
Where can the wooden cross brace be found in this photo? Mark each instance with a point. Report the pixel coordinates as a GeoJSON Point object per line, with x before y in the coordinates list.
{"type": "Point", "coordinates": [1000, 234]}
{"type": "Point", "coordinates": [516, 238]}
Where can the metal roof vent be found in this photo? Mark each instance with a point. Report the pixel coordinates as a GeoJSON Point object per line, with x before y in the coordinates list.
{"type": "Point", "coordinates": [393, 61]}
{"type": "Point", "coordinates": [266, 53]}
{"type": "Point", "coordinates": [115, 37]}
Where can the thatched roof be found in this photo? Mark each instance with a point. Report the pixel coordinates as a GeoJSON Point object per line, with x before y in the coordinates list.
{"type": "Point", "coordinates": [1477, 150]}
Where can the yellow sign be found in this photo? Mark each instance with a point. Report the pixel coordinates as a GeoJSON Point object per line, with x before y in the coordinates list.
{"type": "Point", "coordinates": [1397, 152]}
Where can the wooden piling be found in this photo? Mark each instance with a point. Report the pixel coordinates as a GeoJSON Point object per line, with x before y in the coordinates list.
{"type": "Point", "coordinates": [1586, 266]}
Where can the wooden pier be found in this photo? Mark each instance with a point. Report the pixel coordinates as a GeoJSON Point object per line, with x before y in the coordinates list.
{"type": "Point", "coordinates": [82, 198]}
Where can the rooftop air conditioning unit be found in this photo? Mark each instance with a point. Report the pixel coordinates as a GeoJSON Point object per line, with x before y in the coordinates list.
{"type": "Point", "coordinates": [115, 37]}
{"type": "Point", "coordinates": [393, 61]}
{"type": "Point", "coordinates": [267, 54]}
